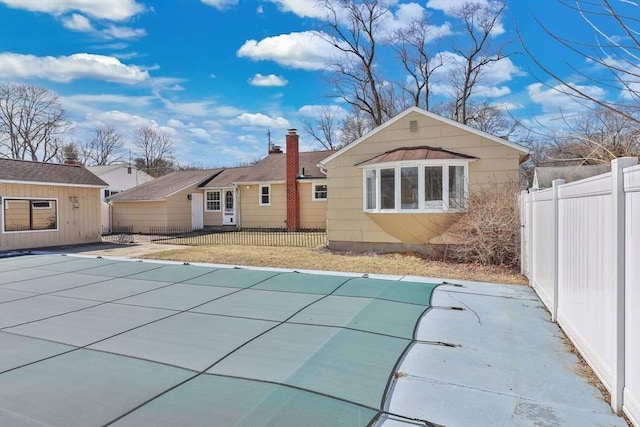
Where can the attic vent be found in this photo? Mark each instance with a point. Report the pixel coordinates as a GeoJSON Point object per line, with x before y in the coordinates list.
{"type": "Point", "coordinates": [413, 126]}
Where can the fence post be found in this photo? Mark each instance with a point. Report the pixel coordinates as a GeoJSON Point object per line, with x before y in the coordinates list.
{"type": "Point", "coordinates": [556, 242]}
{"type": "Point", "coordinates": [524, 256]}
{"type": "Point", "coordinates": [618, 229]}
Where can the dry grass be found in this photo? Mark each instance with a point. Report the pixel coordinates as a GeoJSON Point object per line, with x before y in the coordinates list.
{"type": "Point", "coordinates": [323, 259]}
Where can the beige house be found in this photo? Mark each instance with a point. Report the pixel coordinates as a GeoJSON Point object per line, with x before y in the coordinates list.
{"type": "Point", "coordinates": [45, 204]}
{"type": "Point", "coordinates": [171, 202]}
{"type": "Point", "coordinates": [281, 191]}
{"type": "Point", "coordinates": [405, 183]}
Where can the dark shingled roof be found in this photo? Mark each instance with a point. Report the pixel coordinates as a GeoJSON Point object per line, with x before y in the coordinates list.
{"type": "Point", "coordinates": [160, 188]}
{"type": "Point", "coordinates": [414, 153]}
{"type": "Point", "coordinates": [48, 173]}
{"type": "Point", "coordinates": [546, 174]}
{"type": "Point", "coordinates": [271, 168]}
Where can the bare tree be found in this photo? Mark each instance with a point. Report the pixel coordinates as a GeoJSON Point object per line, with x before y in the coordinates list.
{"type": "Point", "coordinates": [483, 116]}
{"type": "Point", "coordinates": [106, 147]}
{"type": "Point", "coordinates": [155, 151]}
{"type": "Point", "coordinates": [476, 52]}
{"type": "Point", "coordinates": [354, 126]}
{"type": "Point", "coordinates": [411, 43]}
{"type": "Point", "coordinates": [323, 127]}
{"type": "Point", "coordinates": [615, 49]}
{"type": "Point", "coordinates": [32, 122]}
{"type": "Point", "coordinates": [598, 136]}
{"type": "Point", "coordinates": [354, 27]}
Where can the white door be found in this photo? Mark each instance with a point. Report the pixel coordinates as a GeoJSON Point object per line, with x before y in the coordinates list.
{"type": "Point", "coordinates": [229, 213]}
{"type": "Point", "coordinates": [197, 211]}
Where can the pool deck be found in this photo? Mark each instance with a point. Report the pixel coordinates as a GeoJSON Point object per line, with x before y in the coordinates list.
{"type": "Point", "coordinates": [486, 354]}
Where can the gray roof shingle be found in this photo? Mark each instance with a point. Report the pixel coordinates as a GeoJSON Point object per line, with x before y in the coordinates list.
{"type": "Point", "coordinates": [414, 153]}
{"type": "Point", "coordinates": [48, 173]}
{"type": "Point", "coordinates": [160, 188]}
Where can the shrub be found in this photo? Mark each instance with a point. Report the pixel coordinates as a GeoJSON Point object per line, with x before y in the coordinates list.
{"type": "Point", "coordinates": [490, 229]}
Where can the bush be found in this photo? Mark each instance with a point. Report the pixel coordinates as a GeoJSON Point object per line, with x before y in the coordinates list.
{"type": "Point", "coordinates": [490, 229]}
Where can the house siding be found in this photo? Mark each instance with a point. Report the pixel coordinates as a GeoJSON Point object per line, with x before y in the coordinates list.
{"type": "Point", "coordinates": [313, 213]}
{"type": "Point", "coordinates": [75, 225]}
{"type": "Point", "coordinates": [347, 223]}
{"type": "Point", "coordinates": [179, 208]}
{"type": "Point", "coordinates": [252, 215]}
{"type": "Point", "coordinates": [139, 215]}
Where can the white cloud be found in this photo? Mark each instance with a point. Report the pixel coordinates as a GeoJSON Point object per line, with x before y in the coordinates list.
{"type": "Point", "coordinates": [557, 97]}
{"type": "Point", "coordinates": [494, 74]}
{"type": "Point", "coordinates": [260, 120]}
{"type": "Point", "coordinates": [78, 22]}
{"type": "Point", "coordinates": [305, 50]}
{"type": "Point", "coordinates": [491, 91]}
{"type": "Point", "coordinates": [119, 10]}
{"type": "Point", "coordinates": [449, 7]}
{"type": "Point", "coordinates": [120, 119]}
{"type": "Point", "coordinates": [316, 110]}
{"type": "Point", "coordinates": [302, 8]}
{"type": "Point", "coordinates": [270, 80]}
{"type": "Point", "coordinates": [198, 133]}
{"type": "Point", "coordinates": [72, 67]}
{"type": "Point", "coordinates": [220, 4]}
{"type": "Point", "coordinates": [127, 33]}
{"type": "Point", "coordinates": [135, 101]}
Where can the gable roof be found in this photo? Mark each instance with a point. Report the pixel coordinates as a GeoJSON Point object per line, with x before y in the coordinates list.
{"type": "Point", "coordinates": [433, 116]}
{"type": "Point", "coordinates": [164, 186]}
{"type": "Point", "coordinates": [48, 174]}
{"type": "Point", "coordinates": [102, 169]}
{"type": "Point", "coordinates": [271, 169]}
{"type": "Point", "coordinates": [414, 153]}
{"type": "Point", "coordinates": [543, 176]}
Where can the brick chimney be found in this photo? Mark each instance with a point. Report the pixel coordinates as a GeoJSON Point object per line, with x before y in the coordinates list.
{"type": "Point", "coordinates": [293, 207]}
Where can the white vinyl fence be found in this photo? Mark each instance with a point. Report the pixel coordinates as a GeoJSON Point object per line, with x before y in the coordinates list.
{"type": "Point", "coordinates": [581, 253]}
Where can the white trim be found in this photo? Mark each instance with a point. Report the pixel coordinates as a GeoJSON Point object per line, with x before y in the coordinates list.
{"type": "Point", "coordinates": [53, 184]}
{"type": "Point", "coordinates": [422, 205]}
{"type": "Point", "coordinates": [259, 182]}
{"type": "Point", "coordinates": [206, 200]}
{"type": "Point", "coordinates": [313, 191]}
{"type": "Point", "coordinates": [260, 187]}
{"type": "Point", "coordinates": [433, 116]}
{"type": "Point", "coordinates": [6, 198]}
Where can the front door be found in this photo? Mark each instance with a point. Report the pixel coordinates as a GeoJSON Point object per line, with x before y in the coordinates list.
{"type": "Point", "coordinates": [229, 212]}
{"type": "Point", "coordinates": [197, 211]}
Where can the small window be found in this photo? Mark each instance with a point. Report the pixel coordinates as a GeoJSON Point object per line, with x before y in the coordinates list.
{"type": "Point", "coordinates": [370, 184]}
{"type": "Point", "coordinates": [29, 215]}
{"type": "Point", "coordinates": [213, 201]}
{"type": "Point", "coordinates": [265, 195]}
{"type": "Point", "coordinates": [319, 192]}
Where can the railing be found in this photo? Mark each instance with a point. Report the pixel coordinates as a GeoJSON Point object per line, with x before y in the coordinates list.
{"type": "Point", "coordinates": [580, 251]}
{"type": "Point", "coordinates": [249, 237]}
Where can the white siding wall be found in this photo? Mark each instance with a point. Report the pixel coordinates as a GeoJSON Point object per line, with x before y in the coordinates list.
{"type": "Point", "coordinates": [592, 285]}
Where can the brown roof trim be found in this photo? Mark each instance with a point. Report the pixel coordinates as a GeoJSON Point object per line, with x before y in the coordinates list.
{"type": "Point", "coordinates": [423, 152]}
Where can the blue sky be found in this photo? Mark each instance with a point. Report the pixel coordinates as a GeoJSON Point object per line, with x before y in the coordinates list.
{"type": "Point", "coordinates": [218, 74]}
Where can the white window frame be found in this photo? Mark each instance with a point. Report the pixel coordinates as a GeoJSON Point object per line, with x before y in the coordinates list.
{"type": "Point", "coordinates": [421, 164]}
{"type": "Point", "coordinates": [260, 187]}
{"type": "Point", "coordinates": [4, 200]}
{"type": "Point", "coordinates": [313, 192]}
{"type": "Point", "coordinates": [206, 200]}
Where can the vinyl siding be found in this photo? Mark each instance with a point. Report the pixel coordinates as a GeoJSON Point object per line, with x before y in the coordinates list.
{"type": "Point", "coordinates": [75, 225]}
{"type": "Point", "coordinates": [345, 217]}
{"type": "Point", "coordinates": [313, 213]}
{"type": "Point", "coordinates": [139, 215]}
{"type": "Point", "coordinates": [252, 215]}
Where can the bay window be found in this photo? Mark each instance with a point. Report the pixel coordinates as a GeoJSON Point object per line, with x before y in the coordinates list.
{"type": "Point", "coordinates": [424, 186]}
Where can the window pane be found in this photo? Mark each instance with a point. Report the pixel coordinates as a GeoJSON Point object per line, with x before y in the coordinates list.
{"type": "Point", "coordinates": [456, 187]}
{"type": "Point", "coordinates": [433, 187]}
{"type": "Point", "coordinates": [44, 218]}
{"type": "Point", "coordinates": [264, 195]}
{"type": "Point", "coordinates": [16, 215]}
{"type": "Point", "coordinates": [23, 215]}
{"type": "Point", "coordinates": [320, 192]}
{"type": "Point", "coordinates": [371, 189]}
{"type": "Point", "coordinates": [213, 200]}
{"type": "Point", "coordinates": [387, 189]}
{"type": "Point", "coordinates": [409, 188]}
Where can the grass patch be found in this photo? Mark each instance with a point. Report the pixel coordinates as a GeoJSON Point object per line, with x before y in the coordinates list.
{"type": "Point", "coordinates": [326, 260]}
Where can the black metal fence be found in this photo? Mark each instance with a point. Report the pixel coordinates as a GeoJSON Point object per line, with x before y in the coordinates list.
{"type": "Point", "coordinates": [309, 238]}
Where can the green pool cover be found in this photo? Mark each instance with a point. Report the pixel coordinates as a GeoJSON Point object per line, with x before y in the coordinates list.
{"type": "Point", "coordinates": [91, 341]}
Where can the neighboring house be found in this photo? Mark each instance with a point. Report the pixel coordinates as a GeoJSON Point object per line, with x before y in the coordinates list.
{"type": "Point", "coordinates": [404, 184]}
{"type": "Point", "coordinates": [172, 201]}
{"type": "Point", "coordinates": [283, 190]}
{"type": "Point", "coordinates": [46, 204]}
{"type": "Point", "coordinates": [119, 177]}
{"type": "Point", "coordinates": [543, 176]}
